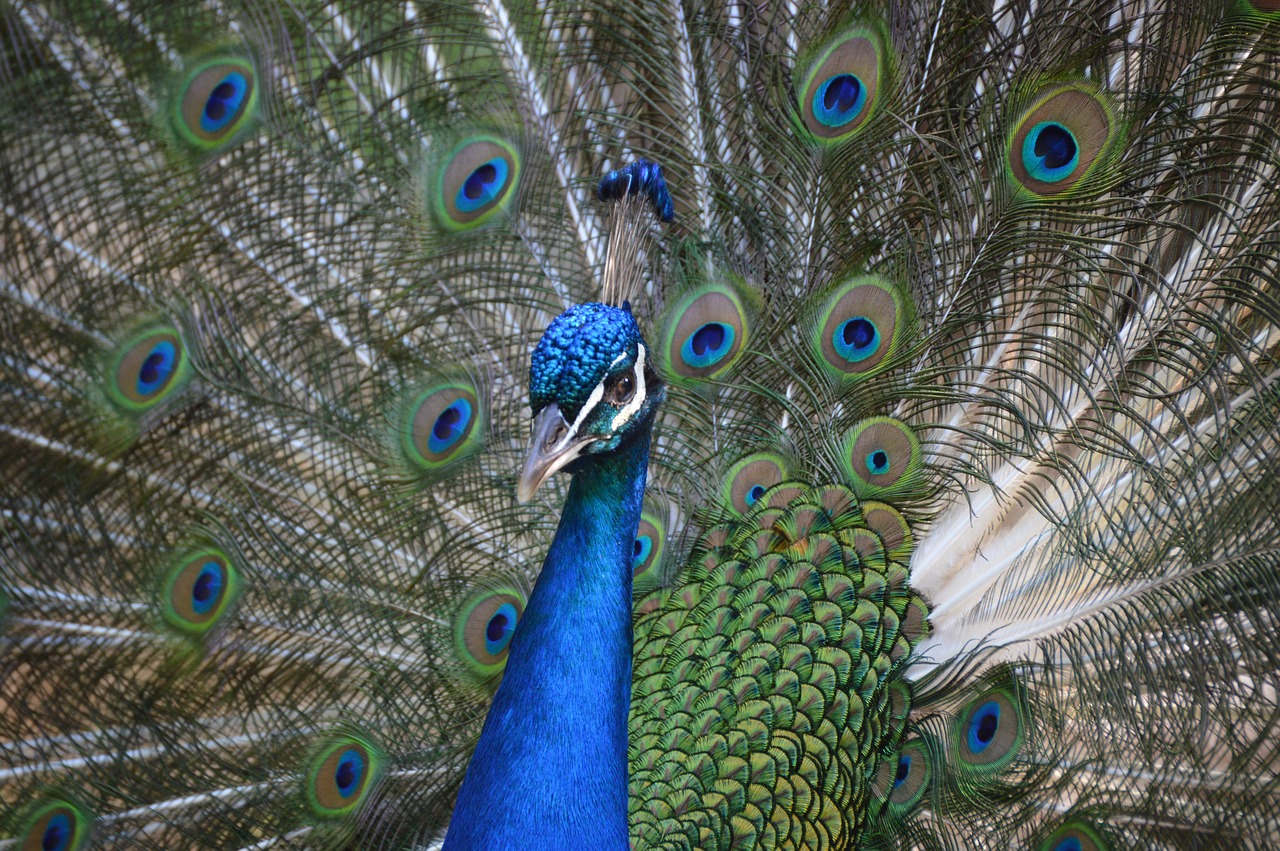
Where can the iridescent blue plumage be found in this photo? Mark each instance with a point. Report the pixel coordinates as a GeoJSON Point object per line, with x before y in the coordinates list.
{"type": "Point", "coordinates": [641, 177]}
{"type": "Point", "coordinates": [550, 769]}
{"type": "Point", "coordinates": [575, 352]}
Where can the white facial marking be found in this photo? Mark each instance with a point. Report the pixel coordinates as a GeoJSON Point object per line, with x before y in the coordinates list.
{"type": "Point", "coordinates": [629, 410]}
{"type": "Point", "coordinates": [597, 393]}
{"type": "Point", "coordinates": [594, 399]}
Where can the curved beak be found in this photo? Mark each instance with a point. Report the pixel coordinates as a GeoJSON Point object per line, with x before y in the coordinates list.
{"type": "Point", "coordinates": [554, 445]}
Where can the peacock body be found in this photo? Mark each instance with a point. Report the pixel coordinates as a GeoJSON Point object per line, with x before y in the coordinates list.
{"type": "Point", "coordinates": [924, 490]}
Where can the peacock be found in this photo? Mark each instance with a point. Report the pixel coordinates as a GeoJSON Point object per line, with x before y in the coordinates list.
{"type": "Point", "coordinates": [651, 424]}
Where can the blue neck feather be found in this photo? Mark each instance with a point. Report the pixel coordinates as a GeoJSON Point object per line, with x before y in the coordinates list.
{"type": "Point", "coordinates": [550, 769]}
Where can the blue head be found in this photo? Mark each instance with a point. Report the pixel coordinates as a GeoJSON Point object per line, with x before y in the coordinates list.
{"type": "Point", "coordinates": [592, 388]}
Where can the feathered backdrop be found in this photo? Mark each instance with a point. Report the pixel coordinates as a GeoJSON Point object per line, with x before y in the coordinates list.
{"type": "Point", "coordinates": [961, 520]}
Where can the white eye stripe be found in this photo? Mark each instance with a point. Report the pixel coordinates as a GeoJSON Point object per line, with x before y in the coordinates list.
{"type": "Point", "coordinates": [590, 405]}
{"type": "Point", "coordinates": [597, 393]}
{"type": "Point", "coordinates": [630, 409]}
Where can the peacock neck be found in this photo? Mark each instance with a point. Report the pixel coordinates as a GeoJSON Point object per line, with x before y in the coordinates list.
{"type": "Point", "coordinates": [550, 768]}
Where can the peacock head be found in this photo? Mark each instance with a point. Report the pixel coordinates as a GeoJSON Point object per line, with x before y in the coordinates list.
{"type": "Point", "coordinates": [592, 387]}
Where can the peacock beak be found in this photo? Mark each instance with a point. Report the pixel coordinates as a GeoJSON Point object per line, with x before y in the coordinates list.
{"type": "Point", "coordinates": [555, 443]}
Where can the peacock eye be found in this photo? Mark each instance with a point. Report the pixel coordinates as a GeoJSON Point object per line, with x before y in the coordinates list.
{"type": "Point", "coordinates": [622, 391]}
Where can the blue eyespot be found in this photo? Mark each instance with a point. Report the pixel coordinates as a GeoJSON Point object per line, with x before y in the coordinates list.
{"type": "Point", "coordinates": [856, 339]}
{"type": "Point", "coordinates": [54, 824]}
{"type": "Point", "coordinates": [224, 102]}
{"type": "Point", "coordinates": [640, 551]}
{"type": "Point", "coordinates": [708, 344]}
{"type": "Point", "coordinates": [903, 782]}
{"type": "Point", "coordinates": [840, 88]}
{"type": "Point", "coordinates": [441, 425]}
{"type": "Point", "coordinates": [348, 773]}
{"type": "Point", "coordinates": [215, 102]}
{"type": "Point", "coordinates": [57, 833]}
{"type": "Point", "coordinates": [839, 100]}
{"type": "Point", "coordinates": [341, 776]}
{"type": "Point", "coordinates": [500, 628]}
{"type": "Point", "coordinates": [983, 725]}
{"type": "Point", "coordinates": [1075, 836]}
{"type": "Point", "coordinates": [483, 627]}
{"type": "Point", "coordinates": [878, 462]}
{"type": "Point", "coordinates": [146, 369]}
{"type": "Point", "coordinates": [646, 549]}
{"type": "Point", "coordinates": [903, 772]}
{"type": "Point", "coordinates": [750, 478]}
{"type": "Point", "coordinates": [476, 182]}
{"type": "Point", "coordinates": [450, 426]}
{"type": "Point", "coordinates": [207, 589]}
{"type": "Point", "coordinates": [485, 183]}
{"type": "Point", "coordinates": [198, 590]}
{"type": "Point", "coordinates": [1050, 152]}
{"type": "Point", "coordinates": [157, 367]}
